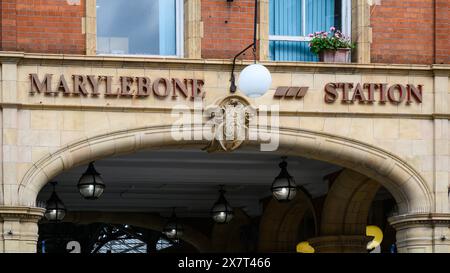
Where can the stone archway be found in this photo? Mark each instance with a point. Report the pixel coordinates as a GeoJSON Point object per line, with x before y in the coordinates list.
{"type": "Point", "coordinates": [405, 184]}
{"type": "Point", "coordinates": [410, 190]}
{"type": "Point", "coordinates": [280, 223]}
{"type": "Point", "coordinates": [347, 205]}
{"type": "Point", "coordinates": [345, 212]}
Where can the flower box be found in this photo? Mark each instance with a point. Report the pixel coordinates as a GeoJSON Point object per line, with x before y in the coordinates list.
{"type": "Point", "coordinates": [331, 47]}
{"type": "Point", "coordinates": [341, 55]}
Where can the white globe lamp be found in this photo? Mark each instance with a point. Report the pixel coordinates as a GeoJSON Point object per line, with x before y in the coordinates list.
{"type": "Point", "coordinates": [255, 80]}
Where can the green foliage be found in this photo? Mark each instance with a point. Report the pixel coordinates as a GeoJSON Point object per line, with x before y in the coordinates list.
{"type": "Point", "coordinates": [332, 40]}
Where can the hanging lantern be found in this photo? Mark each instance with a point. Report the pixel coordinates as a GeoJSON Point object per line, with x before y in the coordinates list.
{"type": "Point", "coordinates": [284, 188]}
{"type": "Point", "coordinates": [221, 211]}
{"type": "Point", "coordinates": [55, 210]}
{"type": "Point", "coordinates": [173, 228]}
{"type": "Point", "coordinates": [91, 184]}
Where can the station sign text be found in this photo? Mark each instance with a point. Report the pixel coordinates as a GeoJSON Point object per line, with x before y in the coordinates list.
{"type": "Point", "coordinates": [128, 87]}
{"type": "Point", "coordinates": [372, 92]}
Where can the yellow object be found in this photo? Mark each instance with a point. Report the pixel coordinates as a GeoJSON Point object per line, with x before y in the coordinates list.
{"type": "Point", "coordinates": [375, 232]}
{"type": "Point", "coordinates": [305, 247]}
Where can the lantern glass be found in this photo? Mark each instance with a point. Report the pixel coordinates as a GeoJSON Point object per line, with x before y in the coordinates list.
{"type": "Point", "coordinates": [221, 211]}
{"type": "Point", "coordinates": [284, 188]}
{"type": "Point", "coordinates": [55, 210]}
{"type": "Point", "coordinates": [173, 229]}
{"type": "Point", "coordinates": [55, 214]}
{"type": "Point", "coordinates": [91, 185]}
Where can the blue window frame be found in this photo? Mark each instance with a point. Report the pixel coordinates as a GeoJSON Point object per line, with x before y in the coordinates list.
{"type": "Point", "coordinates": [291, 21]}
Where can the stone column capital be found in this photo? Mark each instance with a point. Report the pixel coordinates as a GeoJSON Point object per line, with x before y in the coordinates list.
{"type": "Point", "coordinates": [340, 243]}
{"type": "Point", "coordinates": [422, 219]}
{"type": "Point", "coordinates": [22, 214]}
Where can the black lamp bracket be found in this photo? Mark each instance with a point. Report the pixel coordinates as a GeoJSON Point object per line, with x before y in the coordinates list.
{"type": "Point", "coordinates": [233, 87]}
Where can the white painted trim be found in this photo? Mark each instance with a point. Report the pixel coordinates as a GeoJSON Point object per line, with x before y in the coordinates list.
{"type": "Point", "coordinates": [347, 18]}
{"type": "Point", "coordinates": [289, 38]}
{"type": "Point", "coordinates": [304, 18]}
{"type": "Point", "coordinates": [139, 56]}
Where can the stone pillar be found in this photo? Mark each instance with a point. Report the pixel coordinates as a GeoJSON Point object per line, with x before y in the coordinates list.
{"type": "Point", "coordinates": [340, 244]}
{"type": "Point", "coordinates": [19, 229]}
{"type": "Point", "coordinates": [90, 27]}
{"type": "Point", "coordinates": [361, 30]}
{"type": "Point", "coordinates": [263, 30]}
{"type": "Point", "coordinates": [422, 233]}
{"type": "Point", "coordinates": [193, 31]}
{"type": "Point", "coordinates": [441, 139]}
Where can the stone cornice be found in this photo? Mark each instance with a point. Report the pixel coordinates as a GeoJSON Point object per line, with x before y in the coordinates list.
{"type": "Point", "coordinates": [428, 219]}
{"type": "Point", "coordinates": [138, 61]}
{"type": "Point", "coordinates": [168, 110]}
{"type": "Point", "coordinates": [21, 213]}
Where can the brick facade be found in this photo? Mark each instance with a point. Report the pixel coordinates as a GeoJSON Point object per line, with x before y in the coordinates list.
{"type": "Point", "coordinates": [411, 32]}
{"type": "Point", "coordinates": [402, 32]}
{"type": "Point", "coordinates": [8, 25]}
{"type": "Point", "coordinates": [442, 31]}
{"type": "Point", "coordinates": [228, 28]}
{"type": "Point", "coordinates": [47, 26]}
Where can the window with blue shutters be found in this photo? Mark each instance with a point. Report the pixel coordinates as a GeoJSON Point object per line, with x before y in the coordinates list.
{"type": "Point", "coordinates": [291, 21]}
{"type": "Point", "coordinates": [140, 27]}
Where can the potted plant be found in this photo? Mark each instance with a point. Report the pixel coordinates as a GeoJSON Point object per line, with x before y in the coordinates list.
{"type": "Point", "coordinates": [332, 47]}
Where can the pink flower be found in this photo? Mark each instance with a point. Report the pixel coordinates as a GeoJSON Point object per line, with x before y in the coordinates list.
{"type": "Point", "coordinates": [332, 29]}
{"type": "Point", "coordinates": [311, 35]}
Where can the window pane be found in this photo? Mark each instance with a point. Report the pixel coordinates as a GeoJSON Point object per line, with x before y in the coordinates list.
{"type": "Point", "coordinates": [286, 19]}
{"type": "Point", "coordinates": [319, 15]}
{"type": "Point", "coordinates": [146, 27]}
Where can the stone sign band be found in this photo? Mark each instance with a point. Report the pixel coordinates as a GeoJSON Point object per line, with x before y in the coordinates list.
{"type": "Point", "coordinates": [193, 88]}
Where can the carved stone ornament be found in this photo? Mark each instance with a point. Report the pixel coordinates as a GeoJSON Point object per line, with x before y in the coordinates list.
{"type": "Point", "coordinates": [229, 122]}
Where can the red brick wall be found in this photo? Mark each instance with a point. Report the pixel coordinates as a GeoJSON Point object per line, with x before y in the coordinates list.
{"type": "Point", "coordinates": [47, 26]}
{"type": "Point", "coordinates": [8, 24]}
{"type": "Point", "coordinates": [442, 31]}
{"type": "Point", "coordinates": [402, 32]}
{"type": "Point", "coordinates": [228, 28]}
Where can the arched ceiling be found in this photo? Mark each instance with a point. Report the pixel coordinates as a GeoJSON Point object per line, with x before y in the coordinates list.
{"type": "Point", "coordinates": [155, 181]}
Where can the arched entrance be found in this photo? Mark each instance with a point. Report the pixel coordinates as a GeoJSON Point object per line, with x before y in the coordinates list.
{"type": "Point", "coordinates": [408, 188]}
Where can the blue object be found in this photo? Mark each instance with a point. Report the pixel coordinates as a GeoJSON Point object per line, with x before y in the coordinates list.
{"type": "Point", "coordinates": [393, 248]}
{"type": "Point", "coordinates": [286, 19]}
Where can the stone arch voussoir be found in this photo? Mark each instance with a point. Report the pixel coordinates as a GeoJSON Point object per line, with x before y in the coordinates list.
{"type": "Point", "coordinates": [406, 185]}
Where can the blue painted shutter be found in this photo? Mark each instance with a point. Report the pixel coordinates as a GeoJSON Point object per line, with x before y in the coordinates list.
{"type": "Point", "coordinates": [286, 20]}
